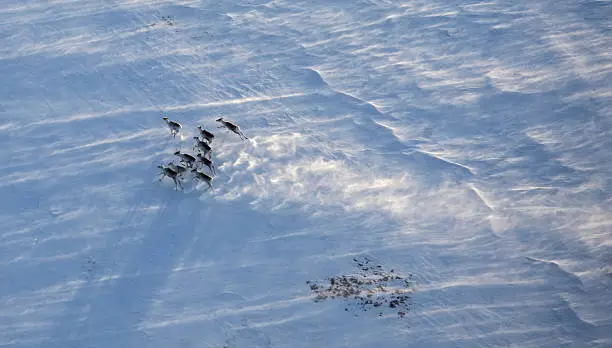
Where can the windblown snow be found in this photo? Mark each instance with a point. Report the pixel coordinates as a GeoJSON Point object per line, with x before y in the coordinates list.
{"type": "Point", "coordinates": [465, 145]}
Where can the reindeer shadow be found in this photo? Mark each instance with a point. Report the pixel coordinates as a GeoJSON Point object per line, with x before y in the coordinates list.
{"type": "Point", "coordinates": [114, 308]}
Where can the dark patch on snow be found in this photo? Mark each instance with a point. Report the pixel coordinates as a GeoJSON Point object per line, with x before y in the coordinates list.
{"type": "Point", "coordinates": [90, 267]}
{"type": "Point", "coordinates": [371, 287]}
{"type": "Point", "coordinates": [168, 19]}
{"type": "Point", "coordinates": [164, 20]}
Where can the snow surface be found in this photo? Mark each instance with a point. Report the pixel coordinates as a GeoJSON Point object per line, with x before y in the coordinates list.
{"type": "Point", "coordinates": [464, 142]}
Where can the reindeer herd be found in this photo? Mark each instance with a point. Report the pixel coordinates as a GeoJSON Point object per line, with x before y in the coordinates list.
{"type": "Point", "coordinates": [203, 154]}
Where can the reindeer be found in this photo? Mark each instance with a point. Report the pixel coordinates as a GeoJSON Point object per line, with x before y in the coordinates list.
{"type": "Point", "coordinates": [186, 158]}
{"type": "Point", "coordinates": [203, 177]}
{"type": "Point", "coordinates": [175, 127]}
{"type": "Point", "coordinates": [206, 135]}
{"type": "Point", "coordinates": [169, 172]}
{"type": "Point", "coordinates": [177, 168]}
{"type": "Point", "coordinates": [232, 127]}
{"type": "Point", "coordinates": [202, 146]}
{"type": "Point", "coordinates": [207, 162]}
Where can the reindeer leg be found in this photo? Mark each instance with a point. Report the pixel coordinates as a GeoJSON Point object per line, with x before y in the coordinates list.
{"type": "Point", "coordinates": [177, 183]}
{"type": "Point", "coordinates": [239, 133]}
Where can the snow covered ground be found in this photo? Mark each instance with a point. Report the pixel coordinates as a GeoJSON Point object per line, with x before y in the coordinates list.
{"type": "Point", "coordinates": [464, 143]}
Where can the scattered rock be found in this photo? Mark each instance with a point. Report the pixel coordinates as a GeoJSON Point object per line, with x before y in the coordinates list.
{"type": "Point", "coordinates": [371, 287]}
{"type": "Point", "coordinates": [89, 267]}
{"type": "Point", "coordinates": [168, 19]}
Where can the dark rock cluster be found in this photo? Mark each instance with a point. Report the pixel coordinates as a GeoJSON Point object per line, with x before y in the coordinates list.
{"type": "Point", "coordinates": [372, 287]}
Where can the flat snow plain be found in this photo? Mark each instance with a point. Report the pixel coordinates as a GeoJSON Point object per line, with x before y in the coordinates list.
{"type": "Point", "coordinates": [466, 143]}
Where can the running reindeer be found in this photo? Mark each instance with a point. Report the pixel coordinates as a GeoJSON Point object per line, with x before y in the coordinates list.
{"type": "Point", "coordinates": [180, 169]}
{"type": "Point", "coordinates": [169, 172]}
{"type": "Point", "coordinates": [186, 158]}
{"type": "Point", "coordinates": [206, 135]}
{"type": "Point", "coordinates": [174, 126]}
{"type": "Point", "coordinates": [202, 146]}
{"type": "Point", "coordinates": [231, 127]}
{"type": "Point", "coordinates": [203, 177]}
{"type": "Point", "coordinates": [207, 162]}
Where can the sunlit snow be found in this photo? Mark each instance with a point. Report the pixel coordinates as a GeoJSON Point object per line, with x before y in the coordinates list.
{"type": "Point", "coordinates": [466, 145]}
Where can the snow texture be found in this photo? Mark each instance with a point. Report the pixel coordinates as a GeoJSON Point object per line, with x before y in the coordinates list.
{"type": "Point", "coordinates": [463, 143]}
